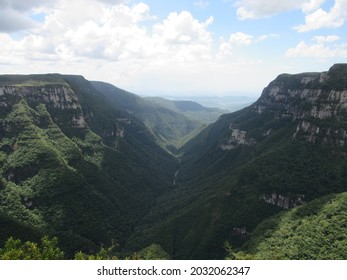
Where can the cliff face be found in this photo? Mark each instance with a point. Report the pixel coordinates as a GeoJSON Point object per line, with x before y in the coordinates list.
{"type": "Point", "coordinates": [55, 97]}
{"type": "Point", "coordinates": [317, 102]}
{"type": "Point", "coordinates": [73, 165]}
{"type": "Point", "coordinates": [236, 137]}
{"type": "Point", "coordinates": [287, 149]}
{"type": "Point", "coordinates": [319, 95]}
{"type": "Point", "coordinates": [284, 202]}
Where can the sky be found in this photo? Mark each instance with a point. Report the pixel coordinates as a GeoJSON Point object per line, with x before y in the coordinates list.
{"type": "Point", "coordinates": [180, 47]}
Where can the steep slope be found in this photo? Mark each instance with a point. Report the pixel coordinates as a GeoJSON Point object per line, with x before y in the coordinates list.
{"type": "Point", "coordinates": [317, 230]}
{"type": "Point", "coordinates": [172, 123]}
{"type": "Point", "coordinates": [285, 150]}
{"type": "Point", "coordinates": [72, 165]}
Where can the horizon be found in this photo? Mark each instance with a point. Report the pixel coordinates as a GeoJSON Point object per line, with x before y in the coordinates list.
{"type": "Point", "coordinates": [179, 48]}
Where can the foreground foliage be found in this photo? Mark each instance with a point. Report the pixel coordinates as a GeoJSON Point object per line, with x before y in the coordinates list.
{"type": "Point", "coordinates": [15, 249]}
{"type": "Point", "coordinates": [317, 230]}
{"type": "Point", "coordinates": [47, 249]}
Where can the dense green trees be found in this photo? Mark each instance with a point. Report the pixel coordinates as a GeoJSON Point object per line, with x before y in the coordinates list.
{"type": "Point", "coordinates": [317, 230]}
{"type": "Point", "coordinates": [47, 249]}
{"type": "Point", "coordinates": [15, 249]}
{"type": "Point", "coordinates": [64, 170]}
{"type": "Point", "coordinates": [77, 166]}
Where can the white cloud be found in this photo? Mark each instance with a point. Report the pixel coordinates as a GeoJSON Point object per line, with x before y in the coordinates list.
{"type": "Point", "coordinates": [20, 5]}
{"type": "Point", "coordinates": [315, 16]}
{"type": "Point", "coordinates": [240, 38]}
{"type": "Point", "coordinates": [100, 32]}
{"type": "Point", "coordinates": [15, 15]}
{"type": "Point", "coordinates": [12, 21]}
{"type": "Point", "coordinates": [320, 18]}
{"type": "Point", "coordinates": [111, 42]}
{"type": "Point", "coordinates": [225, 50]}
{"type": "Point", "coordinates": [236, 40]}
{"type": "Point", "coordinates": [201, 4]}
{"type": "Point", "coordinates": [180, 37]}
{"type": "Point", "coordinates": [183, 28]}
{"type": "Point", "coordinates": [124, 44]}
{"type": "Point", "coordinates": [117, 33]}
{"type": "Point", "coordinates": [311, 5]}
{"type": "Point", "coordinates": [326, 39]}
{"type": "Point", "coordinates": [253, 9]}
{"type": "Point", "coordinates": [114, 2]}
{"type": "Point", "coordinates": [322, 48]}
{"type": "Point", "coordinates": [265, 37]}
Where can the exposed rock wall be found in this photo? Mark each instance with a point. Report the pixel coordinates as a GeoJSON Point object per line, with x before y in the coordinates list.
{"type": "Point", "coordinates": [318, 134]}
{"type": "Point", "coordinates": [283, 201]}
{"type": "Point", "coordinates": [318, 95]}
{"type": "Point", "coordinates": [236, 137]}
{"type": "Point", "coordinates": [55, 97]}
{"type": "Point", "coordinates": [316, 101]}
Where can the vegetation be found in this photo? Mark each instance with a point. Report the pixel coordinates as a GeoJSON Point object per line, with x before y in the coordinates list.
{"type": "Point", "coordinates": [15, 249]}
{"type": "Point", "coordinates": [32, 80]}
{"type": "Point", "coordinates": [81, 161]}
{"type": "Point", "coordinates": [83, 183]}
{"type": "Point", "coordinates": [190, 109]}
{"type": "Point", "coordinates": [223, 195]}
{"type": "Point", "coordinates": [47, 249]}
{"type": "Point", "coordinates": [317, 230]}
{"type": "Point", "coordinates": [172, 123]}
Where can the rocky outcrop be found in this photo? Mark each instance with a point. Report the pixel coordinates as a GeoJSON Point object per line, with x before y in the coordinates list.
{"type": "Point", "coordinates": [124, 120]}
{"type": "Point", "coordinates": [55, 97]}
{"type": "Point", "coordinates": [318, 95]}
{"type": "Point", "coordinates": [320, 134]}
{"type": "Point", "coordinates": [316, 101]}
{"type": "Point", "coordinates": [240, 231]}
{"type": "Point", "coordinates": [283, 201]}
{"type": "Point", "coordinates": [236, 137]}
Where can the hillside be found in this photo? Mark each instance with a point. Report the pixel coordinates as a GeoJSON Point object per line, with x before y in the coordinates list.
{"type": "Point", "coordinates": [285, 150]}
{"type": "Point", "coordinates": [232, 102]}
{"type": "Point", "coordinates": [316, 230]}
{"type": "Point", "coordinates": [89, 163]}
{"type": "Point", "coordinates": [172, 123]}
{"type": "Point", "coordinates": [191, 109]}
{"type": "Point", "coordinates": [73, 166]}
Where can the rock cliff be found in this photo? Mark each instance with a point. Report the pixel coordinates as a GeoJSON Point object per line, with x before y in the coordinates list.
{"type": "Point", "coordinates": [287, 149]}
{"type": "Point", "coordinates": [282, 201]}
{"type": "Point", "coordinates": [73, 165]}
{"type": "Point", "coordinates": [55, 97]}
{"type": "Point", "coordinates": [316, 102]}
{"type": "Point", "coordinates": [236, 137]}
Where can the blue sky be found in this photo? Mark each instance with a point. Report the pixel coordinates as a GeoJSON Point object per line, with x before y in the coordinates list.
{"type": "Point", "coordinates": [156, 47]}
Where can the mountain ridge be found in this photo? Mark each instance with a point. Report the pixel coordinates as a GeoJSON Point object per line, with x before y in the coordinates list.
{"type": "Point", "coordinates": [254, 163]}
{"type": "Point", "coordinates": [68, 160]}
{"type": "Point", "coordinates": [170, 125]}
{"type": "Point", "coordinates": [234, 180]}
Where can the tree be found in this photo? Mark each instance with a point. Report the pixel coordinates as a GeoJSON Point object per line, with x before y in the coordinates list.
{"type": "Point", "coordinates": [15, 249]}
{"type": "Point", "coordinates": [103, 254]}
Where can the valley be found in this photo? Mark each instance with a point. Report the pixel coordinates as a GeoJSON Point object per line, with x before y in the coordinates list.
{"type": "Point", "coordinates": [89, 163]}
